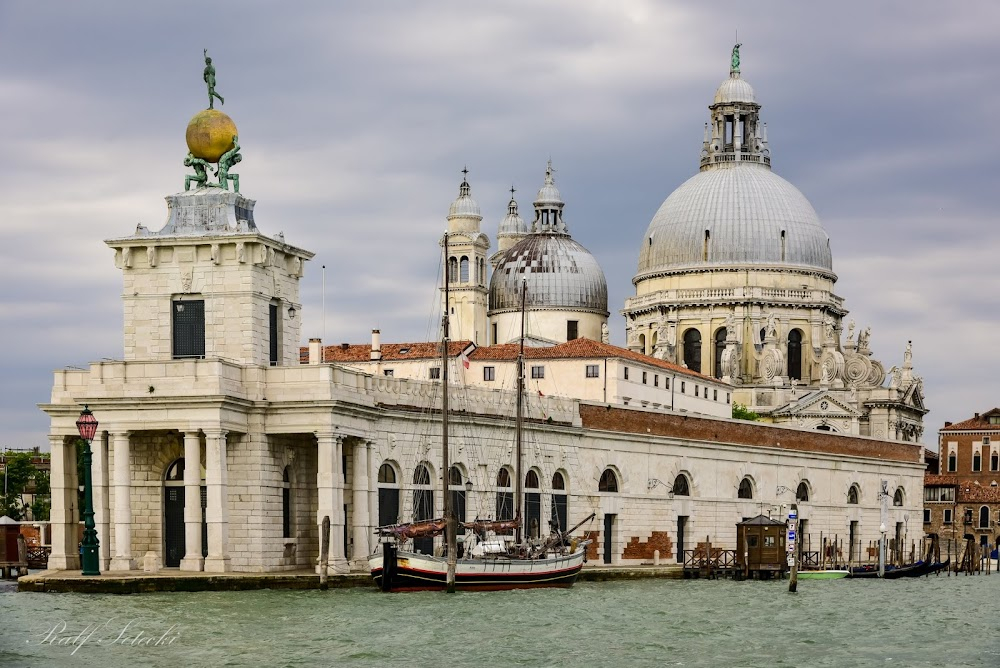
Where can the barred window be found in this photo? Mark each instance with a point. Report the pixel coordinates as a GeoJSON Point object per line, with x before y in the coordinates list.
{"type": "Point", "coordinates": [593, 371]}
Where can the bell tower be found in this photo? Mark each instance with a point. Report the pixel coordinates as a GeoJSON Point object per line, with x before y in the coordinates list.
{"type": "Point", "coordinates": [466, 271]}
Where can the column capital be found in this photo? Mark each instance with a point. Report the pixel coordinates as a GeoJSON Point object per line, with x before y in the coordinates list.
{"type": "Point", "coordinates": [215, 433]}
{"type": "Point", "coordinates": [329, 436]}
{"type": "Point", "coordinates": [119, 433]}
{"type": "Point", "coordinates": [196, 433]}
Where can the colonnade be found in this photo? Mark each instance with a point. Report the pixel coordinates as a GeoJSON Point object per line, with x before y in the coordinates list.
{"type": "Point", "coordinates": [112, 490]}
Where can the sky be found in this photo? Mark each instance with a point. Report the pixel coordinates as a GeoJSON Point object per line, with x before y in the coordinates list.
{"type": "Point", "coordinates": [356, 119]}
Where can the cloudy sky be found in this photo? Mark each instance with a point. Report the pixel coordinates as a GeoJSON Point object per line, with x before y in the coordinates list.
{"type": "Point", "coordinates": [356, 118]}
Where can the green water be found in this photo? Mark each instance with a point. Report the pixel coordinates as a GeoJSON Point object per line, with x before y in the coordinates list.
{"type": "Point", "coordinates": [937, 621]}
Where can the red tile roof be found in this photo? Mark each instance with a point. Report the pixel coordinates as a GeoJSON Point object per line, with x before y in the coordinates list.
{"type": "Point", "coordinates": [575, 349]}
{"type": "Point", "coordinates": [934, 480]}
{"type": "Point", "coordinates": [972, 493]}
{"type": "Point", "coordinates": [979, 422]}
{"type": "Point", "coordinates": [579, 349]}
{"type": "Point", "coordinates": [391, 352]}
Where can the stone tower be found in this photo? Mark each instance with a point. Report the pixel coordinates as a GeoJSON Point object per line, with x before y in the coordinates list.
{"type": "Point", "coordinates": [466, 269]}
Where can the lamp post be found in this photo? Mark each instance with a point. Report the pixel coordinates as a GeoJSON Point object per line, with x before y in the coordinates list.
{"type": "Point", "coordinates": [90, 560]}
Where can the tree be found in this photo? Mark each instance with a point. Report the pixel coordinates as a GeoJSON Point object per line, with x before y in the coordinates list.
{"type": "Point", "coordinates": [18, 473]}
{"type": "Point", "coordinates": [741, 412]}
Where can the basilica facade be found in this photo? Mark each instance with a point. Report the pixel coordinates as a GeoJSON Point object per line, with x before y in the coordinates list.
{"type": "Point", "coordinates": [735, 279]}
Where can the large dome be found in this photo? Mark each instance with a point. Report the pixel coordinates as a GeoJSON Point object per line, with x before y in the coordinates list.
{"type": "Point", "coordinates": [560, 274]}
{"type": "Point", "coordinates": [734, 215]}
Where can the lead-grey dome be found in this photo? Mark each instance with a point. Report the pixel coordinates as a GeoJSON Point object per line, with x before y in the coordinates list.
{"type": "Point", "coordinates": [734, 215]}
{"type": "Point", "coordinates": [560, 274]}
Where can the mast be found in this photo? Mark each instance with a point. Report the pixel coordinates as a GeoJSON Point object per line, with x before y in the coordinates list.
{"type": "Point", "coordinates": [450, 529]}
{"type": "Point", "coordinates": [519, 485]}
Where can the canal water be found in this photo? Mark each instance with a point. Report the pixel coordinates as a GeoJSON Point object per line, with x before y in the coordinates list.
{"type": "Point", "coordinates": [936, 621]}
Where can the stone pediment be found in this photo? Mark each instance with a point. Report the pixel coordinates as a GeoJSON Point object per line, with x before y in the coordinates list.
{"type": "Point", "coordinates": [818, 404]}
{"type": "Point", "coordinates": [914, 396]}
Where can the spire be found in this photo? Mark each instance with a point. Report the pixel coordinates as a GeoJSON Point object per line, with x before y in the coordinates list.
{"type": "Point", "coordinates": [736, 137]}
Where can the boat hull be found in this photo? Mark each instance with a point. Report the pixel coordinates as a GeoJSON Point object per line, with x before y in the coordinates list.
{"type": "Point", "coordinates": [408, 571]}
{"type": "Point", "coordinates": [822, 575]}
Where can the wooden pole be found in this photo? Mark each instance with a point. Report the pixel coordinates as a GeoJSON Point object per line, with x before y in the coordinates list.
{"type": "Point", "coordinates": [324, 553]}
{"type": "Point", "coordinates": [793, 578]}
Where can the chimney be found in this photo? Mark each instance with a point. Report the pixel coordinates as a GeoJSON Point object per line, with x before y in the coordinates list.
{"type": "Point", "coordinates": [315, 351]}
{"type": "Point", "coordinates": [345, 346]}
{"type": "Point", "coordinates": [376, 353]}
{"type": "Point", "coordinates": [947, 424]}
{"type": "Point", "coordinates": [977, 416]}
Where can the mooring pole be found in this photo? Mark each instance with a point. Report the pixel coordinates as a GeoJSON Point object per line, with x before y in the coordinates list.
{"type": "Point", "coordinates": [793, 521]}
{"type": "Point", "coordinates": [324, 552]}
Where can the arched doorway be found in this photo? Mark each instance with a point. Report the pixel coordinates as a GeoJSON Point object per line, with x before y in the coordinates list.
{"type": "Point", "coordinates": [174, 543]}
{"type": "Point", "coordinates": [560, 505]}
{"type": "Point", "coordinates": [423, 506]}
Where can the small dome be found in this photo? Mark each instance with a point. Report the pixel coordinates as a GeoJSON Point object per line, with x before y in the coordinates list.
{"type": "Point", "coordinates": [464, 206]}
{"type": "Point", "coordinates": [548, 194]}
{"type": "Point", "coordinates": [735, 89]}
{"type": "Point", "coordinates": [512, 223]}
{"type": "Point", "coordinates": [560, 274]}
{"type": "Point", "coordinates": [734, 215]}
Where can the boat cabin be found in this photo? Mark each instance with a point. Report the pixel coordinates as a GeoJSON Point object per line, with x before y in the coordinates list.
{"type": "Point", "coordinates": [760, 547]}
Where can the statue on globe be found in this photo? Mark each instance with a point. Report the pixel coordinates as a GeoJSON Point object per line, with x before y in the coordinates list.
{"type": "Point", "coordinates": [226, 162]}
{"type": "Point", "coordinates": [200, 176]}
{"type": "Point", "coordinates": [209, 77]}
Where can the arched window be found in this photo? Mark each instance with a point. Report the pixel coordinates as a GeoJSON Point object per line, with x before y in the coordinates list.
{"type": "Point", "coordinates": [897, 498]}
{"type": "Point", "coordinates": [286, 503]}
{"type": "Point", "coordinates": [852, 495]}
{"type": "Point", "coordinates": [802, 492]}
{"type": "Point", "coordinates": [505, 496]}
{"type": "Point", "coordinates": [608, 482]}
{"type": "Point", "coordinates": [720, 347]}
{"type": "Point", "coordinates": [388, 495]}
{"type": "Point", "coordinates": [795, 354]}
{"type": "Point", "coordinates": [642, 344]}
{"type": "Point", "coordinates": [984, 517]}
{"type": "Point", "coordinates": [692, 349]}
{"type": "Point", "coordinates": [952, 462]}
{"type": "Point", "coordinates": [681, 486]}
{"type": "Point", "coordinates": [560, 508]}
{"type": "Point", "coordinates": [977, 461]}
{"type": "Point", "coordinates": [532, 505]}
{"type": "Point", "coordinates": [423, 505]}
{"type": "Point", "coordinates": [456, 488]}
{"type": "Point", "coordinates": [452, 269]}
{"type": "Point", "coordinates": [746, 489]}
{"type": "Point", "coordinates": [463, 270]}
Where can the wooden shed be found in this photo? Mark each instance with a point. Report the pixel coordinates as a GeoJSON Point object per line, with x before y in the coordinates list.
{"type": "Point", "coordinates": [760, 547]}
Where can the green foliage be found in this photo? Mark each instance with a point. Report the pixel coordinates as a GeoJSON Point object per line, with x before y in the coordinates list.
{"type": "Point", "coordinates": [741, 412]}
{"type": "Point", "coordinates": [17, 478]}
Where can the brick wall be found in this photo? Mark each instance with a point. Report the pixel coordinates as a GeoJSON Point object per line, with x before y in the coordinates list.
{"type": "Point", "coordinates": [609, 418]}
{"type": "Point", "coordinates": [659, 540]}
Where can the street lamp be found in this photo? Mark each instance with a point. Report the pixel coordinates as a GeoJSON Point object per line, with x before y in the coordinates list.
{"type": "Point", "coordinates": [90, 560]}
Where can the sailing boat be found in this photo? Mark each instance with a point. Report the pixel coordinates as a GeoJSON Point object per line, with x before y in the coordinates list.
{"type": "Point", "coordinates": [493, 563]}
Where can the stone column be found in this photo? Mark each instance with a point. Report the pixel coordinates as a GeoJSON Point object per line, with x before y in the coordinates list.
{"type": "Point", "coordinates": [122, 559]}
{"type": "Point", "coordinates": [362, 525]}
{"type": "Point", "coordinates": [329, 492]}
{"type": "Point", "coordinates": [217, 512]}
{"type": "Point", "coordinates": [63, 513]}
{"type": "Point", "coordinates": [192, 560]}
{"type": "Point", "coordinates": [101, 480]}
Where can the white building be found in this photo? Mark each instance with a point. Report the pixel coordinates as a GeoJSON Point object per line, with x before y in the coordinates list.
{"type": "Point", "coordinates": [735, 279]}
{"type": "Point", "coordinates": [219, 450]}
